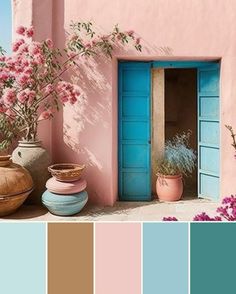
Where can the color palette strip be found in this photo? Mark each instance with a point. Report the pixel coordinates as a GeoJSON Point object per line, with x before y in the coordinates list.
{"type": "Point", "coordinates": [22, 258]}
{"type": "Point", "coordinates": [118, 258]}
{"type": "Point", "coordinates": [70, 258]}
{"type": "Point", "coordinates": [213, 258]}
{"type": "Point", "coordinates": [165, 258]}
{"type": "Point", "coordinates": [105, 258]}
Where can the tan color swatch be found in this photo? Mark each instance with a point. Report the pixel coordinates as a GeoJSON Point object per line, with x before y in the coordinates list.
{"type": "Point", "coordinates": [70, 258]}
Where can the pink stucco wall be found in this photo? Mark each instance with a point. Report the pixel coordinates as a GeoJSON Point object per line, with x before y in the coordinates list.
{"type": "Point", "coordinates": [170, 30]}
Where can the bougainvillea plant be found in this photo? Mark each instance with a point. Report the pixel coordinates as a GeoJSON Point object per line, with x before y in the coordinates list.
{"type": "Point", "coordinates": [226, 212]}
{"type": "Point", "coordinates": [31, 79]}
{"type": "Point", "coordinates": [233, 135]}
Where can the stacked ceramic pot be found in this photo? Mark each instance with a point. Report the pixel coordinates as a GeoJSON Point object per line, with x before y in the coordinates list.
{"type": "Point", "coordinates": [65, 194]}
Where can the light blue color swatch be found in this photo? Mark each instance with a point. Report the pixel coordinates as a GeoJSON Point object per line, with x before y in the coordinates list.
{"type": "Point", "coordinates": [22, 258]}
{"type": "Point", "coordinates": [165, 258]}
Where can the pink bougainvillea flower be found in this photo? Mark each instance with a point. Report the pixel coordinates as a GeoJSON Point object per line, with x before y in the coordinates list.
{"type": "Point", "coordinates": [21, 30]}
{"type": "Point", "coordinates": [26, 95]}
{"type": "Point", "coordinates": [23, 79]}
{"type": "Point", "coordinates": [9, 97]}
{"type": "Point", "coordinates": [31, 96]}
{"type": "Point", "coordinates": [138, 40]}
{"type": "Point", "coordinates": [38, 59]}
{"type": "Point", "coordinates": [3, 109]}
{"type": "Point", "coordinates": [227, 211]}
{"type": "Point", "coordinates": [130, 33]}
{"type": "Point", "coordinates": [49, 89]}
{"type": "Point", "coordinates": [46, 114]}
{"type": "Point", "coordinates": [24, 48]}
{"type": "Point", "coordinates": [10, 63]}
{"type": "Point", "coordinates": [204, 217]}
{"type": "Point", "coordinates": [28, 70]}
{"type": "Point", "coordinates": [22, 97]}
{"type": "Point", "coordinates": [49, 43]}
{"type": "Point", "coordinates": [16, 45]}
{"type": "Point", "coordinates": [72, 99]}
{"type": "Point", "coordinates": [30, 32]}
{"type": "Point", "coordinates": [35, 48]}
{"type": "Point", "coordinates": [2, 58]}
{"type": "Point", "coordinates": [228, 208]}
{"type": "Point", "coordinates": [76, 92]}
{"type": "Point", "coordinates": [170, 219]}
{"type": "Point", "coordinates": [4, 76]}
{"type": "Point", "coordinates": [64, 99]}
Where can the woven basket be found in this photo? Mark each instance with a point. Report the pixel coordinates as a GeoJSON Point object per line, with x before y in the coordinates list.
{"type": "Point", "coordinates": [66, 172]}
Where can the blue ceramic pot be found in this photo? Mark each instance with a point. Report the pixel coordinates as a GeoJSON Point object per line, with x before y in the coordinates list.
{"type": "Point", "coordinates": [64, 205]}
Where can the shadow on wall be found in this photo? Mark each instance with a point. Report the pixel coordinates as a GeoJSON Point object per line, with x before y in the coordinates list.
{"type": "Point", "coordinates": [83, 132]}
{"type": "Point", "coordinates": [93, 111]}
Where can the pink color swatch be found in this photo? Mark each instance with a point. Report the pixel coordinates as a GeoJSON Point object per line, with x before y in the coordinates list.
{"type": "Point", "coordinates": [118, 258]}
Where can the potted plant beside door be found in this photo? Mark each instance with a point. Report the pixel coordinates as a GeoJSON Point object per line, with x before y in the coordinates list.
{"type": "Point", "coordinates": [178, 161]}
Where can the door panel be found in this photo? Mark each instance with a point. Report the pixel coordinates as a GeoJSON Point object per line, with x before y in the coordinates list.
{"type": "Point", "coordinates": [208, 132]}
{"type": "Point", "coordinates": [134, 131]}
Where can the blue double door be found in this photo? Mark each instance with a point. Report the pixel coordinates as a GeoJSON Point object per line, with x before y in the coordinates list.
{"type": "Point", "coordinates": [135, 131]}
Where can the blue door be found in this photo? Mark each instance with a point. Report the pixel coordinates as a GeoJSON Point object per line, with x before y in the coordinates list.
{"type": "Point", "coordinates": [208, 132]}
{"type": "Point", "coordinates": [134, 131]}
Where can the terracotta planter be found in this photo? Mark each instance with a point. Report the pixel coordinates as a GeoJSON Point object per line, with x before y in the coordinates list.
{"type": "Point", "coordinates": [169, 188]}
{"type": "Point", "coordinates": [15, 186]}
{"type": "Point", "coordinates": [36, 160]}
{"type": "Point", "coordinates": [66, 172]}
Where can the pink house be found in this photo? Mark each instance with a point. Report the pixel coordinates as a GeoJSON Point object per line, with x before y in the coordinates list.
{"type": "Point", "coordinates": [189, 54]}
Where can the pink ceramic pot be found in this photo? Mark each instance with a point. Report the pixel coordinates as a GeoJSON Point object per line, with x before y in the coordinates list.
{"type": "Point", "coordinates": [65, 188]}
{"type": "Point", "coordinates": [169, 188]}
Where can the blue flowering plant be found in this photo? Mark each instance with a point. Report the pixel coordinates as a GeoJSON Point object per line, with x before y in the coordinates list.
{"type": "Point", "coordinates": [179, 158]}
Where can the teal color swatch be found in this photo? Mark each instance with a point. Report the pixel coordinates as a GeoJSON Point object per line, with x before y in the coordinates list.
{"type": "Point", "coordinates": [22, 258]}
{"type": "Point", "coordinates": [165, 258]}
{"type": "Point", "coordinates": [213, 258]}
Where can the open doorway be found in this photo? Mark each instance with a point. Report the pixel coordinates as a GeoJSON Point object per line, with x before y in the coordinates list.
{"type": "Point", "coordinates": [157, 100]}
{"type": "Point", "coordinates": [181, 112]}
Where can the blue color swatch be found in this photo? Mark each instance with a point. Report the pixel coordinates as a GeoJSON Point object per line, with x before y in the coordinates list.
{"type": "Point", "coordinates": [165, 258]}
{"type": "Point", "coordinates": [22, 258]}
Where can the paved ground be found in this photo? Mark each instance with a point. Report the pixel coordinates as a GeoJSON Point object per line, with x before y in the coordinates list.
{"type": "Point", "coordinates": [184, 210]}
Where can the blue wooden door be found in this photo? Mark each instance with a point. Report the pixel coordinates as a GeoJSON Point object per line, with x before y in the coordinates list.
{"type": "Point", "coordinates": [208, 132]}
{"type": "Point", "coordinates": [134, 131]}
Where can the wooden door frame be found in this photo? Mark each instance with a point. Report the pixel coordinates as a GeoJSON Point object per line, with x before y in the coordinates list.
{"type": "Point", "coordinates": [181, 65]}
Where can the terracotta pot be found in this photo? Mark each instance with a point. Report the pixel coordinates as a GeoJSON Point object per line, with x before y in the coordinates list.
{"type": "Point", "coordinates": [15, 186]}
{"type": "Point", "coordinates": [36, 160]}
{"type": "Point", "coordinates": [169, 188]}
{"type": "Point", "coordinates": [66, 172]}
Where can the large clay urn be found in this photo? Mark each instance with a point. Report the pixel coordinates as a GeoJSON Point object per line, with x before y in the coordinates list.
{"type": "Point", "coordinates": [15, 185]}
{"type": "Point", "coordinates": [36, 160]}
